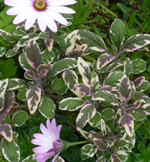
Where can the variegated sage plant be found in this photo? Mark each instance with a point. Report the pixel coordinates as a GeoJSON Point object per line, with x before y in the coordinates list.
{"type": "Point", "coordinates": [61, 76]}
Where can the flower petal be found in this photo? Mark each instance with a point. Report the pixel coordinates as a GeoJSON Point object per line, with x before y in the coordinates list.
{"type": "Point", "coordinates": [55, 157]}
{"type": "Point", "coordinates": [41, 149]}
{"type": "Point", "coordinates": [56, 16]}
{"type": "Point", "coordinates": [45, 157]}
{"type": "Point", "coordinates": [41, 21]}
{"type": "Point", "coordinates": [14, 11]}
{"type": "Point", "coordinates": [63, 2]}
{"type": "Point", "coordinates": [62, 9]}
{"type": "Point", "coordinates": [41, 137]}
{"type": "Point", "coordinates": [38, 142]}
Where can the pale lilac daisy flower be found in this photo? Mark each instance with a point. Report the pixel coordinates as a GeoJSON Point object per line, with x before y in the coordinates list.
{"type": "Point", "coordinates": [45, 11]}
{"type": "Point", "coordinates": [49, 141]}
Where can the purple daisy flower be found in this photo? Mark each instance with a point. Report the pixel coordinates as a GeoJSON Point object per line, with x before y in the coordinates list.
{"type": "Point", "coordinates": [45, 11]}
{"type": "Point", "coordinates": [50, 142]}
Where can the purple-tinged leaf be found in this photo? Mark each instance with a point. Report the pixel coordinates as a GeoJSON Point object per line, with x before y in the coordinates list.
{"type": "Point", "coordinates": [141, 96]}
{"type": "Point", "coordinates": [100, 144]}
{"type": "Point", "coordinates": [42, 73]}
{"type": "Point", "coordinates": [70, 78]}
{"type": "Point", "coordinates": [3, 86]}
{"type": "Point", "coordinates": [118, 144]}
{"type": "Point", "coordinates": [108, 88]}
{"type": "Point", "coordinates": [75, 53]}
{"type": "Point", "coordinates": [85, 114]}
{"type": "Point", "coordinates": [115, 158]}
{"type": "Point", "coordinates": [6, 131]}
{"type": "Point", "coordinates": [49, 43]}
{"type": "Point", "coordinates": [33, 96]}
{"type": "Point", "coordinates": [96, 135]}
{"type": "Point", "coordinates": [125, 88]}
{"type": "Point", "coordinates": [138, 81]}
{"type": "Point", "coordinates": [136, 42]}
{"type": "Point", "coordinates": [105, 96]}
{"type": "Point", "coordinates": [136, 105]}
{"type": "Point", "coordinates": [85, 72]}
{"type": "Point", "coordinates": [7, 36]}
{"type": "Point", "coordinates": [103, 60]}
{"type": "Point", "coordinates": [111, 139]}
{"type": "Point", "coordinates": [9, 99]}
{"type": "Point", "coordinates": [15, 83]}
{"type": "Point", "coordinates": [83, 89]}
{"type": "Point", "coordinates": [144, 86]}
{"type": "Point", "coordinates": [33, 54]}
{"type": "Point", "coordinates": [144, 109]}
{"type": "Point", "coordinates": [92, 40]}
{"type": "Point", "coordinates": [128, 123]}
{"type": "Point", "coordinates": [31, 74]}
{"type": "Point", "coordinates": [101, 159]}
{"type": "Point", "coordinates": [117, 119]}
{"type": "Point", "coordinates": [128, 67]}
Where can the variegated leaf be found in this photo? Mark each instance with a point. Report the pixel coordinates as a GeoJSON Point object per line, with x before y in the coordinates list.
{"type": "Point", "coordinates": [107, 113]}
{"type": "Point", "coordinates": [14, 84]}
{"type": "Point", "coordinates": [144, 86]}
{"type": "Point", "coordinates": [141, 96]}
{"type": "Point", "coordinates": [62, 65]}
{"type": "Point", "coordinates": [75, 53]}
{"type": "Point", "coordinates": [95, 120]}
{"type": "Point", "coordinates": [122, 155]}
{"type": "Point", "coordinates": [85, 114]}
{"type": "Point", "coordinates": [128, 123]}
{"type": "Point", "coordinates": [145, 109]}
{"type": "Point", "coordinates": [47, 107]}
{"type": "Point", "coordinates": [49, 43]}
{"type": "Point", "coordinates": [10, 150]}
{"type": "Point", "coordinates": [100, 144]}
{"type": "Point", "coordinates": [83, 89]}
{"type": "Point", "coordinates": [128, 67]}
{"type": "Point", "coordinates": [139, 66]}
{"type": "Point", "coordinates": [33, 96]}
{"type": "Point", "coordinates": [9, 99]}
{"type": "Point", "coordinates": [3, 86]}
{"type": "Point", "coordinates": [19, 32]}
{"type": "Point", "coordinates": [107, 88]}
{"type": "Point", "coordinates": [71, 104]}
{"type": "Point", "coordinates": [105, 96]}
{"type": "Point", "coordinates": [7, 36]}
{"type": "Point", "coordinates": [33, 53]}
{"type": "Point", "coordinates": [92, 40]}
{"type": "Point", "coordinates": [2, 51]}
{"type": "Point", "coordinates": [71, 78]}
{"type": "Point", "coordinates": [87, 151]}
{"type": "Point", "coordinates": [136, 42]}
{"type": "Point", "coordinates": [103, 60]}
{"type": "Point", "coordinates": [6, 131]}
{"type": "Point", "coordinates": [85, 72]}
{"type": "Point", "coordinates": [117, 119]}
{"type": "Point", "coordinates": [29, 158]}
{"type": "Point", "coordinates": [118, 144]}
{"type": "Point", "coordinates": [138, 81]}
{"type": "Point", "coordinates": [59, 159]}
{"type": "Point", "coordinates": [47, 56]}
{"type": "Point", "coordinates": [117, 33]}
{"type": "Point", "coordinates": [125, 88]}
{"type": "Point", "coordinates": [115, 158]}
{"type": "Point", "coordinates": [31, 74]}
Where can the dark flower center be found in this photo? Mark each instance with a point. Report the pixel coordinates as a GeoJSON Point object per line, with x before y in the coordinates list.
{"type": "Point", "coordinates": [40, 5]}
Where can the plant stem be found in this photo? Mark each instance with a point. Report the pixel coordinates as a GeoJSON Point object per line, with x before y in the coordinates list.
{"type": "Point", "coordinates": [78, 143]}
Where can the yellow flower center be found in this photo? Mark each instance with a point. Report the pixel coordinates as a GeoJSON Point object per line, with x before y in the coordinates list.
{"type": "Point", "coordinates": [40, 4]}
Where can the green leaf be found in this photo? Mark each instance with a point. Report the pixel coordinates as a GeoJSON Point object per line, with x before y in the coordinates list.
{"type": "Point", "coordinates": [10, 151]}
{"type": "Point", "coordinates": [117, 33]}
{"type": "Point", "coordinates": [47, 107]}
{"type": "Point", "coordinates": [30, 158]}
{"type": "Point", "coordinates": [108, 113]}
{"type": "Point", "coordinates": [95, 120]}
{"type": "Point", "coordinates": [57, 84]}
{"type": "Point", "coordinates": [128, 67]}
{"type": "Point", "coordinates": [47, 56]}
{"type": "Point", "coordinates": [2, 51]}
{"type": "Point", "coordinates": [10, 53]}
{"type": "Point", "coordinates": [19, 118]}
{"type": "Point", "coordinates": [139, 66]}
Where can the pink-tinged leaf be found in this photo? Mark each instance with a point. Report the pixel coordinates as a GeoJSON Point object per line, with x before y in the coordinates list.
{"type": "Point", "coordinates": [42, 73]}
{"type": "Point", "coordinates": [84, 70]}
{"type": "Point", "coordinates": [118, 144]}
{"type": "Point", "coordinates": [75, 53]}
{"type": "Point", "coordinates": [103, 60]}
{"type": "Point", "coordinates": [136, 42]}
{"type": "Point", "coordinates": [115, 158]}
{"type": "Point", "coordinates": [128, 123]}
{"type": "Point", "coordinates": [100, 144]}
{"type": "Point", "coordinates": [117, 119]}
{"type": "Point", "coordinates": [96, 135]}
{"type": "Point", "coordinates": [136, 105]}
{"type": "Point", "coordinates": [33, 54]}
{"type": "Point", "coordinates": [31, 74]}
{"type": "Point", "coordinates": [111, 139]}
{"type": "Point", "coordinates": [101, 159]}
{"type": "Point", "coordinates": [49, 43]}
{"type": "Point", "coordinates": [145, 110]}
{"type": "Point", "coordinates": [125, 88]}
{"type": "Point", "coordinates": [33, 96]}
{"type": "Point", "coordinates": [83, 89]}
{"type": "Point", "coordinates": [85, 114]}
{"type": "Point", "coordinates": [6, 131]}
{"type": "Point", "coordinates": [9, 99]}
{"type": "Point", "coordinates": [108, 88]}
{"type": "Point", "coordinates": [138, 81]}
